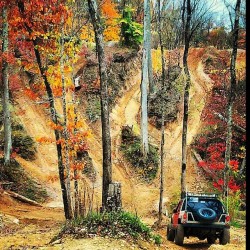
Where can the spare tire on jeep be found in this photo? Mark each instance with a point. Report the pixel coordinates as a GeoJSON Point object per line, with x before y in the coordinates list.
{"type": "Point", "coordinates": [206, 214]}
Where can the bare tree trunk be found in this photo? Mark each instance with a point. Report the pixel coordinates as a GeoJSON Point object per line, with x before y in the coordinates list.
{"type": "Point", "coordinates": [163, 115]}
{"type": "Point", "coordinates": [149, 45]}
{"type": "Point", "coordinates": [65, 130]}
{"type": "Point", "coordinates": [106, 140]}
{"type": "Point", "coordinates": [145, 81]}
{"type": "Point", "coordinates": [5, 82]}
{"type": "Point", "coordinates": [231, 97]}
{"type": "Point", "coordinates": [76, 186]}
{"type": "Point", "coordinates": [186, 97]}
{"type": "Point", "coordinates": [183, 21]}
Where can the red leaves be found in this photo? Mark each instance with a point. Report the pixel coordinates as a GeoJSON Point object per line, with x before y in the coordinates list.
{"type": "Point", "coordinates": [231, 185]}
{"type": "Point", "coordinates": [234, 165]}
{"type": "Point", "coordinates": [202, 164]}
{"type": "Point", "coordinates": [211, 143]}
{"type": "Point", "coordinates": [219, 184]}
{"type": "Point", "coordinates": [216, 165]}
{"type": "Point", "coordinates": [31, 94]}
{"type": "Point", "coordinates": [14, 82]}
{"type": "Point", "coordinates": [8, 57]}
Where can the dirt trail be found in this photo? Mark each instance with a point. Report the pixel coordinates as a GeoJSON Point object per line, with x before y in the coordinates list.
{"type": "Point", "coordinates": [38, 225]}
{"type": "Point", "coordinates": [200, 85]}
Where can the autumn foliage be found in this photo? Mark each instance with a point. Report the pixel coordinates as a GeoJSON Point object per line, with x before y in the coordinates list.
{"type": "Point", "coordinates": [210, 143]}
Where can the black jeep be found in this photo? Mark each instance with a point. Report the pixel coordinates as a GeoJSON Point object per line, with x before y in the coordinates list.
{"type": "Point", "coordinates": [202, 216]}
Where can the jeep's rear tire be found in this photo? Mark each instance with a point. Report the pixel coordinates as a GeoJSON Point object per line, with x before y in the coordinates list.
{"type": "Point", "coordinates": [206, 214]}
{"type": "Point", "coordinates": [211, 239]}
{"type": "Point", "coordinates": [170, 233]}
{"type": "Point", "coordinates": [225, 237]}
{"type": "Point", "coordinates": [179, 235]}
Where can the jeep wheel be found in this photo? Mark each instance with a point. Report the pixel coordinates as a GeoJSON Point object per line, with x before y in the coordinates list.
{"type": "Point", "coordinates": [211, 239]}
{"type": "Point", "coordinates": [206, 214]}
{"type": "Point", "coordinates": [225, 237]}
{"type": "Point", "coordinates": [170, 233]}
{"type": "Point", "coordinates": [179, 235]}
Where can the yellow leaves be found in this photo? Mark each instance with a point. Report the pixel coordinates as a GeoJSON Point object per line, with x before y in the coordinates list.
{"type": "Point", "coordinates": [242, 153]}
{"type": "Point", "coordinates": [44, 139]}
{"type": "Point", "coordinates": [31, 67]}
{"type": "Point", "coordinates": [110, 14]}
{"type": "Point", "coordinates": [108, 9]}
{"type": "Point", "coordinates": [68, 69]}
{"type": "Point", "coordinates": [156, 61]}
{"type": "Point", "coordinates": [112, 33]}
{"type": "Point", "coordinates": [136, 129]}
{"type": "Point", "coordinates": [87, 34]}
{"type": "Point", "coordinates": [55, 126]}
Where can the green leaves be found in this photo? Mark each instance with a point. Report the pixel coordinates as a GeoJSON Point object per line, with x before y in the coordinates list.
{"type": "Point", "coordinates": [131, 32]}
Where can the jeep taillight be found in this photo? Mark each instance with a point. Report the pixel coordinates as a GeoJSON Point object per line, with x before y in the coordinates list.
{"type": "Point", "coordinates": [184, 218]}
{"type": "Point", "coordinates": [227, 219]}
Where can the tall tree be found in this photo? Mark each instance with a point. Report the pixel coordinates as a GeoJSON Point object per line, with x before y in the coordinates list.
{"type": "Point", "coordinates": [145, 79]}
{"type": "Point", "coordinates": [193, 16]}
{"type": "Point", "coordinates": [163, 85]}
{"type": "Point", "coordinates": [187, 37]}
{"type": "Point", "coordinates": [5, 81]}
{"type": "Point", "coordinates": [106, 139]}
{"type": "Point", "coordinates": [65, 122]}
{"type": "Point", "coordinates": [29, 26]}
{"type": "Point", "coordinates": [231, 96]}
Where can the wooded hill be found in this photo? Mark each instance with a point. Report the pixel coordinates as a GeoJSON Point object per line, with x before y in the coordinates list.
{"type": "Point", "coordinates": [149, 95]}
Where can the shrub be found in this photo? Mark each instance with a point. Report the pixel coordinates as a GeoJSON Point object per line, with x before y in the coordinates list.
{"type": "Point", "coordinates": [132, 151]}
{"type": "Point", "coordinates": [22, 143]}
{"type": "Point", "coordinates": [131, 32]}
{"type": "Point", "coordinates": [93, 109]}
{"type": "Point", "coordinates": [114, 224]}
{"type": "Point", "coordinates": [22, 182]}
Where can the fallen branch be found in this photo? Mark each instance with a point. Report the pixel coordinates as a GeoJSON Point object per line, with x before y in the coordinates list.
{"type": "Point", "coordinates": [23, 198]}
{"type": "Point", "coordinates": [207, 170]}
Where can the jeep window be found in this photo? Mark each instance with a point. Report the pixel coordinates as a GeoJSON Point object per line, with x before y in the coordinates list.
{"type": "Point", "coordinates": [195, 203]}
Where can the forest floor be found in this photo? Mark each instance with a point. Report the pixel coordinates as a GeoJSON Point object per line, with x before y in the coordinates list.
{"type": "Point", "coordinates": [30, 227]}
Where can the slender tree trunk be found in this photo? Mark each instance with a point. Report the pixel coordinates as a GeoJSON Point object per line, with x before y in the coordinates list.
{"type": "Point", "coordinates": [5, 81]}
{"type": "Point", "coordinates": [61, 168]}
{"type": "Point", "coordinates": [183, 21]}
{"type": "Point", "coordinates": [231, 97]}
{"type": "Point", "coordinates": [186, 98]}
{"type": "Point", "coordinates": [163, 115]}
{"type": "Point", "coordinates": [243, 166]}
{"type": "Point", "coordinates": [106, 139]}
{"type": "Point", "coordinates": [76, 186]}
{"type": "Point", "coordinates": [149, 47]}
{"type": "Point", "coordinates": [145, 81]}
{"type": "Point", "coordinates": [65, 129]}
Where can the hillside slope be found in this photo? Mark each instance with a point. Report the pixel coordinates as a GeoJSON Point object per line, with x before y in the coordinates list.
{"type": "Point", "coordinates": [138, 197]}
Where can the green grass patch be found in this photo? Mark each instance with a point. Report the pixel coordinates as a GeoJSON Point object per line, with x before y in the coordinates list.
{"type": "Point", "coordinates": [120, 225]}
